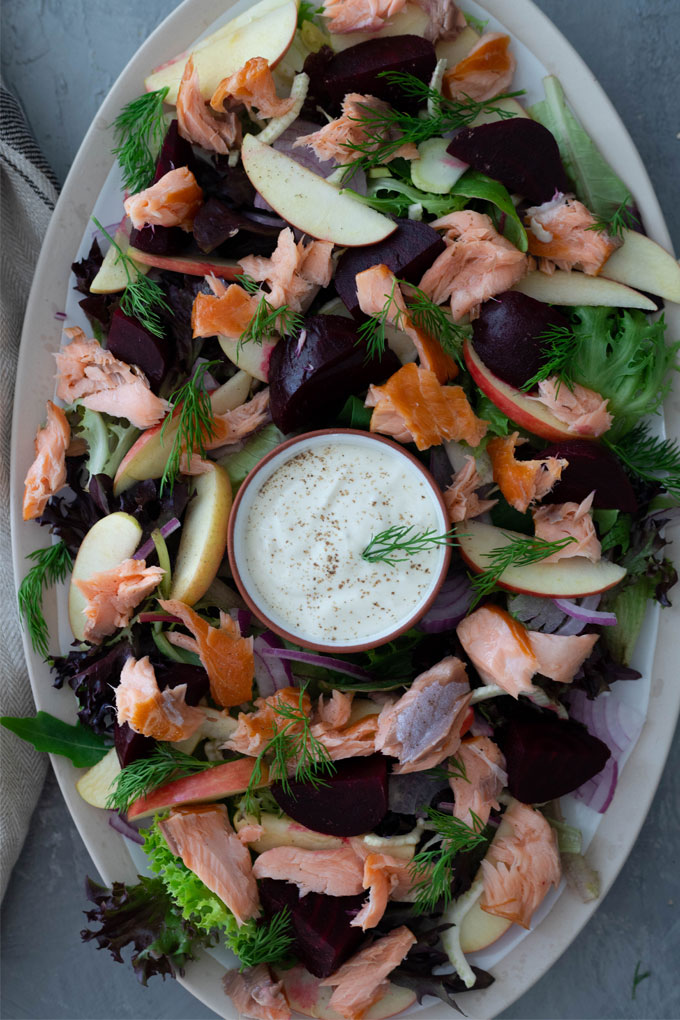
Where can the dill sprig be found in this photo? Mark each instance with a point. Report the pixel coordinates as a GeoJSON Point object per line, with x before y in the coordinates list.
{"type": "Point", "coordinates": [452, 768]}
{"type": "Point", "coordinates": [432, 871]}
{"type": "Point", "coordinates": [142, 296]}
{"type": "Point", "coordinates": [140, 777]}
{"type": "Point", "coordinates": [405, 540]}
{"type": "Point", "coordinates": [292, 744]}
{"type": "Point", "coordinates": [424, 314]}
{"type": "Point", "coordinates": [195, 423]}
{"type": "Point", "coordinates": [638, 977]}
{"type": "Point", "coordinates": [139, 130]}
{"type": "Point", "coordinates": [264, 941]}
{"type": "Point", "coordinates": [372, 332]}
{"type": "Point", "coordinates": [51, 565]}
{"type": "Point", "coordinates": [650, 458]}
{"type": "Point", "coordinates": [559, 348]}
{"type": "Point", "coordinates": [267, 319]}
{"type": "Point", "coordinates": [621, 219]}
{"type": "Point", "coordinates": [519, 552]}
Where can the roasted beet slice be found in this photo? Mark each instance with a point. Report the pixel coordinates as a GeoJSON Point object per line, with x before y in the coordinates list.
{"type": "Point", "coordinates": [591, 467]}
{"type": "Point", "coordinates": [507, 331]}
{"type": "Point", "coordinates": [158, 240]}
{"type": "Point", "coordinates": [308, 387]}
{"type": "Point", "coordinates": [520, 153]}
{"type": "Point", "coordinates": [175, 152]}
{"type": "Point", "coordinates": [130, 745]}
{"type": "Point", "coordinates": [216, 223]}
{"type": "Point", "coordinates": [352, 802]}
{"type": "Point", "coordinates": [548, 757]}
{"type": "Point", "coordinates": [408, 252]}
{"type": "Point", "coordinates": [130, 341]}
{"type": "Point", "coordinates": [361, 69]}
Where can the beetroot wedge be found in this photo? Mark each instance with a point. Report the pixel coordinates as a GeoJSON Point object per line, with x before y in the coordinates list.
{"type": "Point", "coordinates": [591, 467]}
{"type": "Point", "coordinates": [130, 341]}
{"type": "Point", "coordinates": [363, 69]}
{"type": "Point", "coordinates": [507, 335]}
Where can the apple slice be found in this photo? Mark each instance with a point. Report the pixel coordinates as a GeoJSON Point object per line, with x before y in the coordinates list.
{"type": "Point", "coordinates": [213, 784]}
{"type": "Point", "coordinates": [108, 542]}
{"type": "Point", "coordinates": [641, 262]}
{"type": "Point", "coordinates": [508, 106]}
{"type": "Point", "coordinates": [193, 264]}
{"type": "Point", "coordinates": [264, 30]}
{"type": "Point", "coordinates": [231, 394]}
{"type": "Point", "coordinates": [112, 276]}
{"type": "Point", "coordinates": [529, 414]}
{"type": "Point", "coordinates": [280, 830]}
{"type": "Point", "coordinates": [97, 783]}
{"type": "Point", "coordinates": [568, 578]}
{"type": "Point", "coordinates": [309, 202]}
{"type": "Point", "coordinates": [576, 288]}
{"type": "Point", "coordinates": [479, 929]}
{"type": "Point", "coordinates": [411, 20]}
{"type": "Point", "coordinates": [455, 50]}
{"type": "Point", "coordinates": [204, 537]}
{"type": "Point", "coordinates": [252, 358]}
{"type": "Point", "coordinates": [305, 994]}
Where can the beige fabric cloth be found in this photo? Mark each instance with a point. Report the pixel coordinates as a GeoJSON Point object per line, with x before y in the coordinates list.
{"type": "Point", "coordinates": [27, 196]}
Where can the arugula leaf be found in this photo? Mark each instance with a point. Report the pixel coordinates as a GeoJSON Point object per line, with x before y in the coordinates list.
{"type": "Point", "coordinates": [474, 184]}
{"type": "Point", "coordinates": [354, 415]}
{"type": "Point", "coordinates": [402, 195]}
{"type": "Point", "coordinates": [79, 743]}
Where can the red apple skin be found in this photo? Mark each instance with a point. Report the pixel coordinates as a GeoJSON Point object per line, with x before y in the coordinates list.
{"type": "Point", "coordinates": [528, 591]}
{"type": "Point", "coordinates": [529, 415]}
{"type": "Point", "coordinates": [192, 265]}
{"type": "Point", "coordinates": [213, 784]}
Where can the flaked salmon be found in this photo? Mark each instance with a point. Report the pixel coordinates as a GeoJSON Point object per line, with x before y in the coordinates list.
{"type": "Point", "coordinates": [256, 729]}
{"type": "Point", "coordinates": [47, 473]}
{"type": "Point", "coordinates": [569, 520]}
{"type": "Point", "coordinates": [331, 872]}
{"type": "Point", "coordinates": [423, 727]}
{"type": "Point", "coordinates": [484, 777]}
{"type": "Point", "coordinates": [335, 711]}
{"type": "Point", "coordinates": [226, 314]}
{"type": "Point", "coordinates": [522, 482]}
{"type": "Point", "coordinates": [358, 125]}
{"type": "Point", "coordinates": [204, 839]}
{"type": "Point", "coordinates": [477, 263]}
{"type": "Point", "coordinates": [461, 499]}
{"type": "Point", "coordinates": [294, 272]}
{"type": "Point", "coordinates": [583, 411]}
{"type": "Point", "coordinates": [520, 866]}
{"type": "Point", "coordinates": [413, 407]}
{"type": "Point", "coordinates": [486, 71]}
{"type": "Point", "coordinates": [562, 235]}
{"type": "Point", "coordinates": [361, 980]}
{"type": "Point", "coordinates": [113, 594]}
{"type": "Point", "coordinates": [560, 656]}
{"type": "Point", "coordinates": [386, 878]}
{"type": "Point", "coordinates": [198, 123]}
{"type": "Point", "coordinates": [173, 201]}
{"type": "Point", "coordinates": [163, 715]}
{"type": "Point", "coordinates": [447, 20]}
{"type": "Point", "coordinates": [101, 382]}
{"type": "Point", "coordinates": [375, 288]}
{"type": "Point", "coordinates": [255, 994]}
{"type": "Point", "coordinates": [234, 425]}
{"type": "Point", "coordinates": [360, 15]}
{"type": "Point", "coordinates": [253, 85]}
{"type": "Point", "coordinates": [346, 729]}
{"type": "Point", "coordinates": [226, 656]}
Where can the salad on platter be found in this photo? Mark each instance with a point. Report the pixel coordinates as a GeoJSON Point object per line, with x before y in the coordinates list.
{"type": "Point", "coordinates": [348, 221]}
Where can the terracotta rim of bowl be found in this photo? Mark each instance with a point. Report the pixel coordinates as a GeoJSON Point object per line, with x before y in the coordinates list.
{"type": "Point", "coordinates": [320, 646]}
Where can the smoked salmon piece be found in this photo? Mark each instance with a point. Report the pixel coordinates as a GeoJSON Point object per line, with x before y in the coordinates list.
{"type": "Point", "coordinates": [331, 872]}
{"type": "Point", "coordinates": [375, 288]}
{"type": "Point", "coordinates": [522, 482]}
{"type": "Point", "coordinates": [163, 715]}
{"type": "Point", "coordinates": [294, 271]}
{"type": "Point", "coordinates": [47, 473]}
{"type": "Point", "coordinates": [354, 741]}
{"type": "Point", "coordinates": [360, 15]}
{"type": "Point", "coordinates": [253, 85]}
{"type": "Point", "coordinates": [520, 866]}
{"type": "Point", "coordinates": [386, 878]}
{"type": "Point", "coordinates": [361, 980]}
{"type": "Point", "coordinates": [413, 407]}
{"type": "Point", "coordinates": [198, 123]}
{"type": "Point", "coordinates": [583, 411]}
{"type": "Point", "coordinates": [562, 236]}
{"type": "Point", "coordinates": [173, 201]}
{"type": "Point", "coordinates": [355, 127]}
{"type": "Point", "coordinates": [232, 426]}
{"type": "Point", "coordinates": [256, 729]}
{"type": "Point", "coordinates": [255, 994]}
{"type": "Point", "coordinates": [226, 656]}
{"type": "Point", "coordinates": [477, 263]}
{"type": "Point", "coordinates": [113, 594]}
{"type": "Point", "coordinates": [423, 727]}
{"type": "Point", "coordinates": [477, 792]}
{"type": "Point", "coordinates": [569, 520]}
{"type": "Point", "coordinates": [561, 656]}
{"type": "Point", "coordinates": [204, 839]}
{"type": "Point", "coordinates": [486, 71]}
{"type": "Point", "coordinates": [226, 314]}
{"type": "Point", "coordinates": [90, 374]}
{"type": "Point", "coordinates": [461, 499]}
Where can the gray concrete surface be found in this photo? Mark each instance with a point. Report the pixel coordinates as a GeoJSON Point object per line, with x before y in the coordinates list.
{"type": "Point", "coordinates": [61, 57]}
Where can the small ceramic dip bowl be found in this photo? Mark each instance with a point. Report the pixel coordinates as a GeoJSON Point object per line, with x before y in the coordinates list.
{"type": "Point", "coordinates": [300, 523]}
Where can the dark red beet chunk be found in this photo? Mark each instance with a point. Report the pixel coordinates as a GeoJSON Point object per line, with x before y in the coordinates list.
{"type": "Point", "coordinates": [520, 153]}
{"type": "Point", "coordinates": [131, 746]}
{"type": "Point", "coordinates": [408, 252]}
{"type": "Point", "coordinates": [309, 388]}
{"type": "Point", "coordinates": [361, 68]}
{"type": "Point", "coordinates": [130, 341]}
{"type": "Point", "coordinates": [591, 466]}
{"type": "Point", "coordinates": [354, 800]}
{"type": "Point", "coordinates": [216, 223]}
{"type": "Point", "coordinates": [158, 240]}
{"type": "Point", "coordinates": [175, 152]}
{"type": "Point", "coordinates": [506, 335]}
{"type": "Point", "coordinates": [323, 936]}
{"type": "Point", "coordinates": [548, 757]}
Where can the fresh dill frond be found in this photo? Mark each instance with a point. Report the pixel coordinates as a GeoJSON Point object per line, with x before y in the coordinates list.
{"type": "Point", "coordinates": [192, 410]}
{"type": "Point", "coordinates": [267, 320]}
{"type": "Point", "coordinates": [621, 219]}
{"type": "Point", "coordinates": [249, 285]}
{"type": "Point", "coordinates": [51, 565]}
{"type": "Point", "coordinates": [650, 458]}
{"type": "Point", "coordinates": [519, 552]}
{"type": "Point", "coordinates": [559, 348]}
{"type": "Point", "coordinates": [432, 318]}
{"type": "Point", "coordinates": [638, 977]}
{"type": "Point", "coordinates": [139, 130]}
{"type": "Point", "coordinates": [372, 332]}
{"type": "Point", "coordinates": [145, 774]}
{"type": "Point", "coordinates": [452, 768]}
{"type": "Point", "coordinates": [262, 941]}
{"type": "Point", "coordinates": [403, 539]}
{"type": "Point", "coordinates": [142, 297]}
{"type": "Point", "coordinates": [432, 871]}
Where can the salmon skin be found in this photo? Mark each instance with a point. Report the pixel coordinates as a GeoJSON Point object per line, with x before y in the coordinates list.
{"type": "Point", "coordinates": [47, 473]}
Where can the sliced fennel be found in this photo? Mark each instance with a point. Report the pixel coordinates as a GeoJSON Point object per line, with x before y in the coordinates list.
{"type": "Point", "coordinates": [454, 915]}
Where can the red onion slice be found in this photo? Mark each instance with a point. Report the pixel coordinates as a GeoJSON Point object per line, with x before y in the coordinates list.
{"type": "Point", "coordinates": [271, 674]}
{"type": "Point", "coordinates": [450, 606]}
{"type": "Point", "coordinates": [619, 726]}
{"type": "Point", "coordinates": [325, 661]}
{"type": "Point", "coordinates": [145, 550]}
{"type": "Point", "coordinates": [574, 626]}
{"type": "Point", "coordinates": [580, 612]}
{"type": "Point", "coordinates": [120, 823]}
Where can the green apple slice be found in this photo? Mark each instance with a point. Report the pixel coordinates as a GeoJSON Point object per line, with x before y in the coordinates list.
{"type": "Point", "coordinates": [641, 262]}
{"type": "Point", "coordinates": [112, 277]}
{"type": "Point", "coordinates": [98, 782]}
{"type": "Point", "coordinates": [192, 265]}
{"type": "Point", "coordinates": [576, 288]}
{"type": "Point", "coordinates": [204, 537]}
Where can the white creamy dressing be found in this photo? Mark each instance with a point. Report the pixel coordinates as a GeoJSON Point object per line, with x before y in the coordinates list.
{"type": "Point", "coordinates": [304, 528]}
